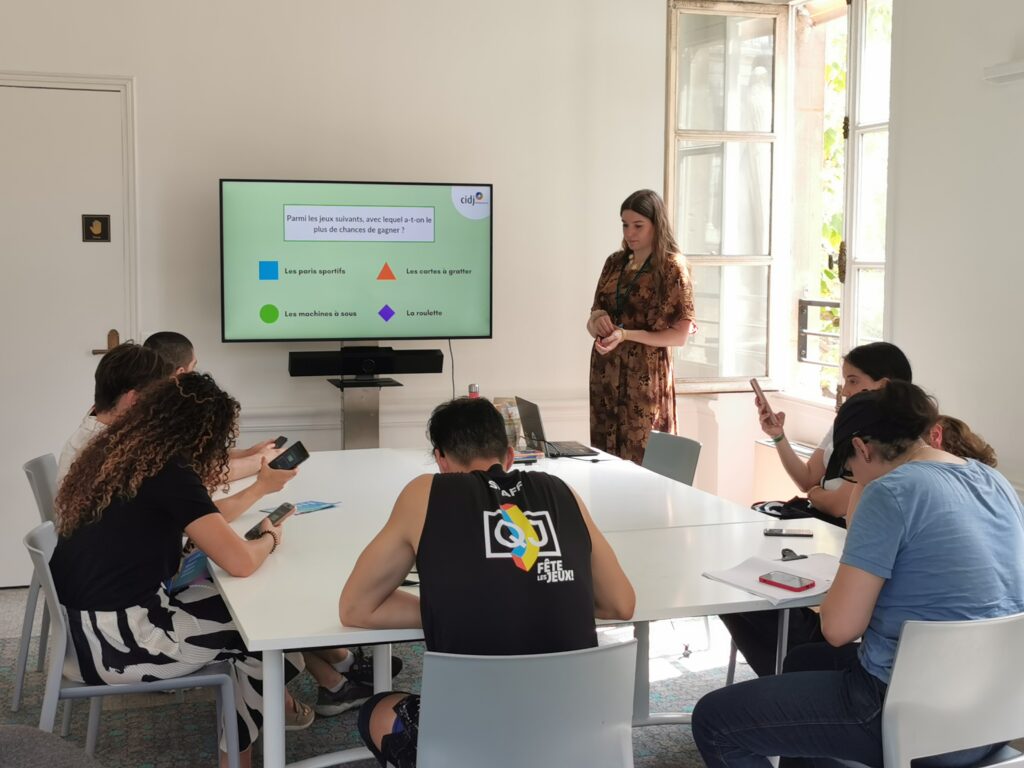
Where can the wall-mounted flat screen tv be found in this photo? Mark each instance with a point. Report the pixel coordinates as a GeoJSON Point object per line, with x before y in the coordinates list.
{"type": "Point", "coordinates": [342, 260]}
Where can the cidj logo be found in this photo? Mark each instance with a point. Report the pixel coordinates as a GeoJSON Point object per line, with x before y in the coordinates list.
{"type": "Point", "coordinates": [473, 199]}
{"type": "Point", "coordinates": [521, 536]}
{"type": "Point", "coordinates": [473, 203]}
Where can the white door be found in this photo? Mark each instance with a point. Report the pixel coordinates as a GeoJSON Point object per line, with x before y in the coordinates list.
{"type": "Point", "coordinates": [62, 155]}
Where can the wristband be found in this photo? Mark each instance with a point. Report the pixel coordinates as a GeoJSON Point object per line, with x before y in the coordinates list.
{"type": "Point", "coordinates": [272, 535]}
{"type": "Point", "coordinates": [778, 438]}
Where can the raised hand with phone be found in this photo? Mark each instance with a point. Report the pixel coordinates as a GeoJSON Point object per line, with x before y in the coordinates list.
{"type": "Point", "coordinates": [771, 422]}
{"type": "Point", "coordinates": [245, 462]}
{"type": "Point", "coordinates": [268, 480]}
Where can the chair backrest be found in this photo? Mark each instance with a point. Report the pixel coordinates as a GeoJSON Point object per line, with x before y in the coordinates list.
{"type": "Point", "coordinates": [672, 456]}
{"type": "Point", "coordinates": [955, 685]}
{"type": "Point", "coordinates": [571, 708]}
{"type": "Point", "coordinates": [40, 542]}
{"type": "Point", "coordinates": [42, 476]}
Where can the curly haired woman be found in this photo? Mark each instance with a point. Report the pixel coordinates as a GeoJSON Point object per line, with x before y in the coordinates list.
{"type": "Point", "coordinates": [122, 510]}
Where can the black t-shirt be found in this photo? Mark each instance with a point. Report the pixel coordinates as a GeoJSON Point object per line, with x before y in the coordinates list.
{"type": "Point", "coordinates": [121, 559]}
{"type": "Point", "coordinates": [504, 565]}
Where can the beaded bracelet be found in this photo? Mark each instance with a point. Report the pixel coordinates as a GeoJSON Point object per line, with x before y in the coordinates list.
{"type": "Point", "coordinates": [778, 438]}
{"type": "Point", "coordinates": [274, 537]}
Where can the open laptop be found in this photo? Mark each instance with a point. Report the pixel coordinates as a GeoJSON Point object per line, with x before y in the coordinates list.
{"type": "Point", "coordinates": [533, 429]}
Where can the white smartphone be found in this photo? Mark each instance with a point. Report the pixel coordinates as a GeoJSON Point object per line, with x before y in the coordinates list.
{"type": "Point", "coordinates": [764, 400]}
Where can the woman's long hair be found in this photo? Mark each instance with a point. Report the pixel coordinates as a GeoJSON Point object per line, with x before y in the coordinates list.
{"type": "Point", "coordinates": [960, 440]}
{"type": "Point", "coordinates": [664, 249]}
{"type": "Point", "coordinates": [188, 418]}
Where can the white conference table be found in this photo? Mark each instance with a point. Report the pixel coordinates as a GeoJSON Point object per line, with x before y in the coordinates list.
{"type": "Point", "coordinates": [664, 533]}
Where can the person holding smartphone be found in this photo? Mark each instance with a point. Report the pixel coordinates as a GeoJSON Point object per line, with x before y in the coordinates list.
{"type": "Point", "coordinates": [934, 537]}
{"type": "Point", "coordinates": [867, 367]}
{"type": "Point", "coordinates": [180, 354]}
{"type": "Point", "coordinates": [126, 502]}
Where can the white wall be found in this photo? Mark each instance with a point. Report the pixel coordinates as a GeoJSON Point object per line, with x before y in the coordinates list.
{"type": "Point", "coordinates": [955, 169]}
{"type": "Point", "coordinates": [560, 105]}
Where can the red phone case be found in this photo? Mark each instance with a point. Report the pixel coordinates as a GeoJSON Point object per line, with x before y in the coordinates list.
{"type": "Point", "coordinates": [764, 580]}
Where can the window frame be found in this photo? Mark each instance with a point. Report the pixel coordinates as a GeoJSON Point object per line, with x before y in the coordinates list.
{"type": "Point", "coordinates": [777, 138]}
{"type": "Point", "coordinates": [857, 19]}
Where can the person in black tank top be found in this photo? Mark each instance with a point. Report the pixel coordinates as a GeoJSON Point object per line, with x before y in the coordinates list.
{"type": "Point", "coordinates": [509, 563]}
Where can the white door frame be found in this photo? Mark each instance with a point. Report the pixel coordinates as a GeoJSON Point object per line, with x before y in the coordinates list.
{"type": "Point", "coordinates": [125, 87]}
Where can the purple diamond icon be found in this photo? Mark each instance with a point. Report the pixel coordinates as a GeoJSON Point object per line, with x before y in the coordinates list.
{"type": "Point", "coordinates": [386, 312]}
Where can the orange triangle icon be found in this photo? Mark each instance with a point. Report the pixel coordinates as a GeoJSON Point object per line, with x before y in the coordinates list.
{"type": "Point", "coordinates": [386, 273]}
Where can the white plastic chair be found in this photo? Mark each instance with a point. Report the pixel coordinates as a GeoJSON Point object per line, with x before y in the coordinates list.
{"type": "Point", "coordinates": [571, 708]}
{"type": "Point", "coordinates": [42, 477]}
{"type": "Point", "coordinates": [41, 541]}
{"type": "Point", "coordinates": [955, 685]}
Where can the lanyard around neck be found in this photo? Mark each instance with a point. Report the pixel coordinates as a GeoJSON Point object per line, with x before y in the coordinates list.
{"type": "Point", "coordinates": [622, 295]}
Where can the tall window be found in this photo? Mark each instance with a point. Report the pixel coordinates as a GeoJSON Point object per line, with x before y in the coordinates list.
{"type": "Point", "coordinates": [841, 94]}
{"type": "Point", "coordinates": [781, 218]}
{"type": "Point", "coordinates": [725, 112]}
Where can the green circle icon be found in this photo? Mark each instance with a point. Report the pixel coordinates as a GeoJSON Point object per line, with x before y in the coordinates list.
{"type": "Point", "coordinates": [269, 313]}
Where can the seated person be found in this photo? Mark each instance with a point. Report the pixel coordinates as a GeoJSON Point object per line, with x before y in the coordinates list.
{"type": "Point", "coordinates": [756, 633]}
{"type": "Point", "coordinates": [178, 351]}
{"type": "Point", "coordinates": [865, 368]}
{"type": "Point", "coordinates": [120, 376]}
{"type": "Point", "coordinates": [438, 523]}
{"type": "Point", "coordinates": [921, 510]}
{"type": "Point", "coordinates": [954, 436]}
{"type": "Point", "coordinates": [344, 679]}
{"type": "Point", "coordinates": [133, 492]}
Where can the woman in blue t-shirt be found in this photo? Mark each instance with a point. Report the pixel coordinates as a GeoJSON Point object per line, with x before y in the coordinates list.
{"type": "Point", "coordinates": [129, 497]}
{"type": "Point", "coordinates": [928, 525]}
{"type": "Point", "coordinates": [867, 367]}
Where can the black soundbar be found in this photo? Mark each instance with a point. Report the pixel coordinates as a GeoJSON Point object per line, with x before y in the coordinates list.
{"type": "Point", "coordinates": [365, 361]}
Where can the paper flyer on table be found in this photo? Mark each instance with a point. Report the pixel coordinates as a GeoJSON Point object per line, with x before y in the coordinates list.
{"type": "Point", "coordinates": [820, 567]}
{"type": "Point", "coordinates": [303, 507]}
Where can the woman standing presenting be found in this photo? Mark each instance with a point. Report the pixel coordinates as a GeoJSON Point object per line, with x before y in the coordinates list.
{"type": "Point", "coordinates": [643, 306]}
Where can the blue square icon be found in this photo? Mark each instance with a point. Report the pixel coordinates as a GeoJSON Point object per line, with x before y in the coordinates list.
{"type": "Point", "coordinates": [268, 270]}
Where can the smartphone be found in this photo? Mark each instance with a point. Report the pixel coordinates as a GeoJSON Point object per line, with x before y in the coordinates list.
{"type": "Point", "coordinates": [291, 458]}
{"type": "Point", "coordinates": [764, 400]}
{"type": "Point", "coordinates": [274, 517]}
{"type": "Point", "coordinates": [784, 580]}
{"type": "Point", "coordinates": [788, 532]}
{"type": "Point", "coordinates": [281, 440]}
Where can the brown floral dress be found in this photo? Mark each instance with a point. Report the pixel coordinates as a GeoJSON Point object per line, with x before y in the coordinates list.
{"type": "Point", "coordinates": [631, 388]}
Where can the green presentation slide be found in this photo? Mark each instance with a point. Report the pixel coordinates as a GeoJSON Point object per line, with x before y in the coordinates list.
{"type": "Point", "coordinates": [341, 260]}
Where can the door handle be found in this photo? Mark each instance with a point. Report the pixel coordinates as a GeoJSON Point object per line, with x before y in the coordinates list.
{"type": "Point", "coordinates": [113, 339]}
